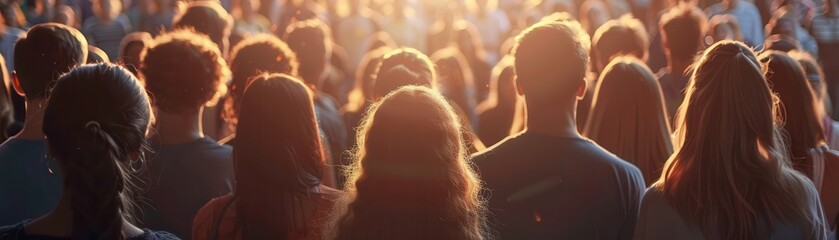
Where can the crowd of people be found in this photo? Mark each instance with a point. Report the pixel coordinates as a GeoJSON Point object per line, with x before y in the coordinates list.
{"type": "Point", "coordinates": [419, 119]}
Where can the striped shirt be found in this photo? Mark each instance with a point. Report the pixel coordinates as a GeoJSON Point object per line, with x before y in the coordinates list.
{"type": "Point", "coordinates": [107, 35]}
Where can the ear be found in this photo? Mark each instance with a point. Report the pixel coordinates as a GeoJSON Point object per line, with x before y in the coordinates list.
{"type": "Point", "coordinates": [582, 89]}
{"type": "Point", "coordinates": [518, 86]}
{"type": "Point", "coordinates": [16, 84]}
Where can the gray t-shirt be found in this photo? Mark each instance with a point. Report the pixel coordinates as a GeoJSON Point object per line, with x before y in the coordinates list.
{"type": "Point", "coordinates": [546, 187]}
{"type": "Point", "coordinates": [659, 220]}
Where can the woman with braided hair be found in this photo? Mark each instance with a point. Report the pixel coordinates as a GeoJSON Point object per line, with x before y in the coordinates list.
{"type": "Point", "coordinates": [96, 147]}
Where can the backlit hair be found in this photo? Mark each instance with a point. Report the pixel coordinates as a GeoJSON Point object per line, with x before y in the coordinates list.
{"type": "Point", "coordinates": [623, 36]}
{"type": "Point", "coordinates": [730, 175]}
{"type": "Point", "coordinates": [278, 155]}
{"type": "Point", "coordinates": [251, 57]}
{"type": "Point", "coordinates": [683, 28]}
{"type": "Point", "coordinates": [183, 71]}
{"type": "Point", "coordinates": [46, 52]}
{"type": "Point", "coordinates": [628, 116]}
{"type": "Point", "coordinates": [717, 23]}
{"type": "Point", "coordinates": [551, 61]}
{"type": "Point", "coordinates": [799, 110]}
{"type": "Point", "coordinates": [403, 67]}
{"type": "Point", "coordinates": [418, 189]}
{"type": "Point", "coordinates": [95, 122]}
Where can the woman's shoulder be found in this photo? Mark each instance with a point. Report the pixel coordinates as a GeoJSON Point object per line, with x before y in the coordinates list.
{"type": "Point", "coordinates": [208, 216]}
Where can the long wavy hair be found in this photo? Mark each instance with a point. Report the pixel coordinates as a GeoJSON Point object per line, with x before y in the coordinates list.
{"type": "Point", "coordinates": [730, 174]}
{"type": "Point", "coordinates": [95, 123]}
{"type": "Point", "coordinates": [418, 189]}
{"type": "Point", "coordinates": [278, 157]}
{"type": "Point", "coordinates": [801, 119]}
{"type": "Point", "coordinates": [628, 117]}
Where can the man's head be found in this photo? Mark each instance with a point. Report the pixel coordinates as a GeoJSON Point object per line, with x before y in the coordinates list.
{"type": "Point", "coordinates": [209, 18]}
{"type": "Point", "coordinates": [682, 30]}
{"type": "Point", "coordinates": [45, 53]}
{"type": "Point", "coordinates": [311, 42]}
{"type": "Point", "coordinates": [183, 71]}
{"type": "Point", "coordinates": [551, 61]}
{"type": "Point", "coordinates": [622, 36]}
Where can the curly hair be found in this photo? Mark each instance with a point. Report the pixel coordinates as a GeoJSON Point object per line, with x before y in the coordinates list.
{"type": "Point", "coordinates": [183, 70]}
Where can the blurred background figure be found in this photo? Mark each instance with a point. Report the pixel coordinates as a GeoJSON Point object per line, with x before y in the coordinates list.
{"type": "Point", "coordinates": [107, 28]}
{"type": "Point", "coordinates": [130, 49]}
{"type": "Point", "coordinates": [748, 18]}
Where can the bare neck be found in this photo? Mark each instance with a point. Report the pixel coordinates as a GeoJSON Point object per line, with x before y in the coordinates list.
{"type": "Point", "coordinates": [179, 128]}
{"type": "Point", "coordinates": [33, 127]}
{"type": "Point", "coordinates": [559, 120]}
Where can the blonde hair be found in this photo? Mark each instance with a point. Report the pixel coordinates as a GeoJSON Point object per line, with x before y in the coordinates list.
{"type": "Point", "coordinates": [400, 189]}
{"type": "Point", "coordinates": [628, 116]}
{"type": "Point", "coordinates": [730, 173]}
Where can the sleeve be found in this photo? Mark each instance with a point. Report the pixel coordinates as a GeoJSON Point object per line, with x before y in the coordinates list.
{"type": "Point", "coordinates": [647, 224]}
{"type": "Point", "coordinates": [635, 193]}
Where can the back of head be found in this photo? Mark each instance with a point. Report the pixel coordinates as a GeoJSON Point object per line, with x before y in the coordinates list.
{"type": "Point", "coordinates": [311, 41]}
{"type": "Point", "coordinates": [95, 137]}
{"type": "Point", "coordinates": [683, 28]}
{"type": "Point", "coordinates": [251, 57]}
{"type": "Point", "coordinates": [130, 48]}
{"type": "Point", "coordinates": [622, 36]}
{"type": "Point", "coordinates": [723, 27]}
{"type": "Point", "coordinates": [47, 51]}
{"type": "Point", "coordinates": [403, 67]}
{"type": "Point", "coordinates": [365, 76]}
{"type": "Point", "coordinates": [183, 71]}
{"type": "Point", "coordinates": [96, 55]}
{"type": "Point", "coordinates": [502, 81]}
{"type": "Point", "coordinates": [628, 117]}
{"type": "Point", "coordinates": [781, 43]}
{"type": "Point", "coordinates": [551, 61]}
{"type": "Point", "coordinates": [209, 18]}
{"type": "Point", "coordinates": [729, 146]}
{"type": "Point", "coordinates": [400, 189]}
{"type": "Point", "coordinates": [799, 114]}
{"type": "Point", "coordinates": [278, 158]}
{"type": "Point", "coordinates": [455, 78]}
{"type": "Point", "coordinates": [813, 71]}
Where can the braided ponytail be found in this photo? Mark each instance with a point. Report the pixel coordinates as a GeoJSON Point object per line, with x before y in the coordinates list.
{"type": "Point", "coordinates": [94, 138]}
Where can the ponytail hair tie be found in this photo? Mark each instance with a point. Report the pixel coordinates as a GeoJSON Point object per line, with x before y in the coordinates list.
{"type": "Point", "coordinates": [93, 124]}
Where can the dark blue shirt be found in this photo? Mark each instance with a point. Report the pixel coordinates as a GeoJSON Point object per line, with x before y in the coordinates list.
{"type": "Point", "coordinates": [18, 232]}
{"type": "Point", "coordinates": [30, 181]}
{"type": "Point", "coordinates": [546, 187]}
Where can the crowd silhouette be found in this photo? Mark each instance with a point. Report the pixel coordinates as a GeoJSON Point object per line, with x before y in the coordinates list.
{"type": "Point", "coordinates": [419, 119]}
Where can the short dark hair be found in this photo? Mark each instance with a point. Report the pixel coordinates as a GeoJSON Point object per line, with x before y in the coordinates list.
{"type": "Point", "coordinates": [623, 36]}
{"type": "Point", "coordinates": [403, 67]}
{"type": "Point", "coordinates": [252, 57]}
{"type": "Point", "coordinates": [683, 28]}
{"type": "Point", "coordinates": [311, 41]}
{"type": "Point", "coordinates": [551, 59]}
{"type": "Point", "coordinates": [46, 52]}
{"type": "Point", "coordinates": [183, 70]}
{"type": "Point", "coordinates": [209, 18]}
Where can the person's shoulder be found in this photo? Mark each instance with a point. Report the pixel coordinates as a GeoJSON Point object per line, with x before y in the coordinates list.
{"type": "Point", "coordinates": [156, 235]}
{"type": "Point", "coordinates": [510, 143]}
{"type": "Point", "coordinates": [14, 147]}
{"type": "Point", "coordinates": [13, 232]}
